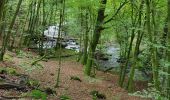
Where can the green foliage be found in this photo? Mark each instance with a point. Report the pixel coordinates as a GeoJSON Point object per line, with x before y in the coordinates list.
{"type": "Point", "coordinates": [3, 70]}
{"type": "Point", "coordinates": [75, 78]}
{"type": "Point", "coordinates": [22, 54]}
{"type": "Point", "coordinates": [10, 71]}
{"type": "Point", "coordinates": [8, 57]}
{"type": "Point", "coordinates": [29, 24]}
{"type": "Point", "coordinates": [65, 97]}
{"type": "Point", "coordinates": [151, 92]}
{"type": "Point", "coordinates": [37, 94]}
{"type": "Point", "coordinates": [33, 83]}
{"type": "Point", "coordinates": [28, 67]}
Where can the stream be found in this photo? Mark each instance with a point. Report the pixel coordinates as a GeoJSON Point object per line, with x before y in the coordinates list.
{"type": "Point", "coordinates": [112, 52]}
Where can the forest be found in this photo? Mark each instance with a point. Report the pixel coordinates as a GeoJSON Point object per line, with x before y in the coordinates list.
{"type": "Point", "coordinates": [84, 49]}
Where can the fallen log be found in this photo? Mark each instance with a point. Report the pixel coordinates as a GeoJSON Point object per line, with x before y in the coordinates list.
{"type": "Point", "coordinates": [9, 98]}
{"type": "Point", "coordinates": [108, 69]}
{"type": "Point", "coordinates": [63, 56]}
{"type": "Point", "coordinates": [9, 85]}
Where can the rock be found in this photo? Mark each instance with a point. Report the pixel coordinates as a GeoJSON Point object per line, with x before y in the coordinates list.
{"type": "Point", "coordinates": [101, 56]}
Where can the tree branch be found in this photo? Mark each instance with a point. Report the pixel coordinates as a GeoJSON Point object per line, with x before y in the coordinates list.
{"type": "Point", "coordinates": [117, 11]}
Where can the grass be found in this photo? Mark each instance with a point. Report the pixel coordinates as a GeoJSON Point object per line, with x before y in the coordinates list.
{"type": "Point", "coordinates": [65, 97]}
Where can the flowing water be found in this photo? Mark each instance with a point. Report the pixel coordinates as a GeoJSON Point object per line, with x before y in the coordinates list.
{"type": "Point", "coordinates": [113, 54]}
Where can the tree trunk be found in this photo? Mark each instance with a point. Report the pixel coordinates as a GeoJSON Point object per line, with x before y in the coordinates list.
{"type": "Point", "coordinates": [86, 40]}
{"type": "Point", "coordinates": [136, 52]}
{"type": "Point", "coordinates": [96, 36]}
{"type": "Point", "coordinates": [7, 36]}
{"type": "Point", "coordinates": [2, 12]}
{"type": "Point", "coordinates": [168, 84]}
{"type": "Point", "coordinates": [62, 12]}
{"type": "Point", "coordinates": [152, 50]}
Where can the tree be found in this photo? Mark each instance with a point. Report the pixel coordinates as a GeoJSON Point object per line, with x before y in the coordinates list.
{"type": "Point", "coordinates": [7, 36]}
{"type": "Point", "coordinates": [168, 81]}
{"type": "Point", "coordinates": [62, 12]}
{"type": "Point", "coordinates": [96, 36]}
{"type": "Point", "coordinates": [136, 51]}
{"type": "Point", "coordinates": [2, 14]}
{"type": "Point", "coordinates": [85, 37]}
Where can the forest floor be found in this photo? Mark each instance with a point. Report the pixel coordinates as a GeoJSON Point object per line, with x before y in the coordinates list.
{"type": "Point", "coordinates": [105, 83]}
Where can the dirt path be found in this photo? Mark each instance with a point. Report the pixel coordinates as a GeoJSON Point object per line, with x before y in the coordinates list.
{"type": "Point", "coordinates": [104, 82]}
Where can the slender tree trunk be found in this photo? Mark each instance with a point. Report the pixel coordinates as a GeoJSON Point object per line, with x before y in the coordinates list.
{"type": "Point", "coordinates": [123, 73]}
{"type": "Point", "coordinates": [7, 37]}
{"type": "Point", "coordinates": [136, 52]}
{"type": "Point", "coordinates": [86, 40]}
{"type": "Point", "coordinates": [152, 50]}
{"type": "Point", "coordinates": [81, 35]}
{"type": "Point", "coordinates": [41, 51]}
{"type": "Point", "coordinates": [155, 61]}
{"type": "Point", "coordinates": [168, 82]}
{"type": "Point", "coordinates": [96, 36]}
{"type": "Point", "coordinates": [62, 11]}
{"type": "Point", "coordinates": [2, 4]}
